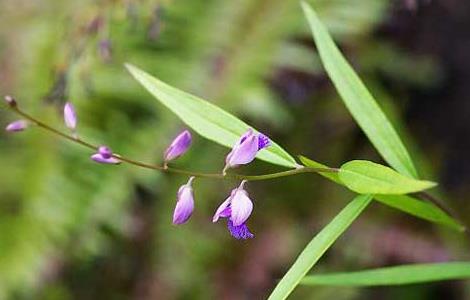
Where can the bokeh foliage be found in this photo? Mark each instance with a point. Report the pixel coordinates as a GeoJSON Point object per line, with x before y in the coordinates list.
{"type": "Point", "coordinates": [63, 218]}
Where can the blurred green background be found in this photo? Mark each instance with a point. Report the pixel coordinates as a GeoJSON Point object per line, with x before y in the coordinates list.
{"type": "Point", "coordinates": [73, 229]}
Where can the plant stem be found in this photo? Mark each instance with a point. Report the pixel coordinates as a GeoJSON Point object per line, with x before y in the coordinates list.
{"type": "Point", "coordinates": [84, 143]}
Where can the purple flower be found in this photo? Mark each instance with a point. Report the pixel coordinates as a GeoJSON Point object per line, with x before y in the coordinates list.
{"type": "Point", "coordinates": [185, 203]}
{"type": "Point", "coordinates": [237, 208]}
{"type": "Point", "coordinates": [245, 150]}
{"type": "Point", "coordinates": [179, 146]}
{"type": "Point", "coordinates": [105, 156]}
{"type": "Point", "coordinates": [70, 117]}
{"type": "Point", "coordinates": [18, 125]}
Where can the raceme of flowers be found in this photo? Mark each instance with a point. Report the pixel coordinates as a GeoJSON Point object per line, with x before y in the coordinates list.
{"type": "Point", "coordinates": [236, 208]}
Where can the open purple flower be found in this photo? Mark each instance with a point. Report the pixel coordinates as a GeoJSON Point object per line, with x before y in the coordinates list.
{"type": "Point", "coordinates": [16, 126]}
{"type": "Point", "coordinates": [237, 209]}
{"type": "Point", "coordinates": [105, 156]}
{"type": "Point", "coordinates": [179, 146]}
{"type": "Point", "coordinates": [245, 150]}
{"type": "Point", "coordinates": [70, 116]}
{"type": "Point", "coordinates": [185, 203]}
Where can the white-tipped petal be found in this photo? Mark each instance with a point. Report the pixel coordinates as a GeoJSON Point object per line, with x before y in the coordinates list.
{"type": "Point", "coordinates": [241, 206]}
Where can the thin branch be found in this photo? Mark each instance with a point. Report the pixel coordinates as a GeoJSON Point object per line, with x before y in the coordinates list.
{"type": "Point", "coordinates": [137, 163]}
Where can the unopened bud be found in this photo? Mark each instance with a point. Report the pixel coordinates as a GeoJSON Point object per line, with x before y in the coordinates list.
{"type": "Point", "coordinates": [10, 101]}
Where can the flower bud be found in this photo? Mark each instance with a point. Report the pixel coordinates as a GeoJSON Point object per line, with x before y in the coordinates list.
{"type": "Point", "coordinates": [10, 101]}
{"type": "Point", "coordinates": [70, 117]}
{"type": "Point", "coordinates": [185, 203]}
{"type": "Point", "coordinates": [105, 156]}
{"type": "Point", "coordinates": [179, 146]}
{"type": "Point", "coordinates": [105, 152]}
{"type": "Point", "coordinates": [16, 126]}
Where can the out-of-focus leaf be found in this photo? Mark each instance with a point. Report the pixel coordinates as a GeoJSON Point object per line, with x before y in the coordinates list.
{"type": "Point", "coordinates": [205, 118]}
{"type": "Point", "coordinates": [366, 177]}
{"type": "Point", "coordinates": [358, 99]}
{"type": "Point", "coordinates": [318, 246]}
{"type": "Point", "coordinates": [407, 274]}
{"type": "Point", "coordinates": [410, 205]}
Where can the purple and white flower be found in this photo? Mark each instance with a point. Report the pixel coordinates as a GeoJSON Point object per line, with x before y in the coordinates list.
{"type": "Point", "coordinates": [105, 156]}
{"type": "Point", "coordinates": [237, 209]}
{"type": "Point", "coordinates": [185, 203]}
{"type": "Point", "coordinates": [245, 150]}
{"type": "Point", "coordinates": [16, 126]}
{"type": "Point", "coordinates": [179, 146]}
{"type": "Point", "coordinates": [70, 116]}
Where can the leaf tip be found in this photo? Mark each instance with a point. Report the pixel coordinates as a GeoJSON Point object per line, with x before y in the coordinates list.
{"type": "Point", "coordinates": [429, 184]}
{"type": "Point", "coordinates": [128, 65]}
{"type": "Point", "coordinates": [305, 7]}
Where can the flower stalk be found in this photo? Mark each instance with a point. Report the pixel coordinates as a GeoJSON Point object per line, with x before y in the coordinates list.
{"type": "Point", "coordinates": [78, 140]}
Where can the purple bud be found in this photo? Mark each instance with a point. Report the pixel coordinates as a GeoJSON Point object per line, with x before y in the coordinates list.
{"type": "Point", "coordinates": [70, 117]}
{"type": "Point", "coordinates": [179, 146]}
{"type": "Point", "coordinates": [246, 148]}
{"type": "Point", "coordinates": [16, 126]}
{"type": "Point", "coordinates": [100, 159]}
{"type": "Point", "coordinates": [105, 156]}
{"type": "Point", "coordinates": [185, 203]}
{"type": "Point", "coordinates": [240, 232]}
{"type": "Point", "coordinates": [105, 152]}
{"type": "Point", "coordinates": [10, 101]}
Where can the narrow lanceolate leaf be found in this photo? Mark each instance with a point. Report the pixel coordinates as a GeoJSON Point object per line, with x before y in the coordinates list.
{"type": "Point", "coordinates": [410, 205]}
{"type": "Point", "coordinates": [318, 246]}
{"type": "Point", "coordinates": [408, 274]}
{"type": "Point", "coordinates": [366, 177]}
{"type": "Point", "coordinates": [205, 118]}
{"type": "Point", "coordinates": [358, 99]}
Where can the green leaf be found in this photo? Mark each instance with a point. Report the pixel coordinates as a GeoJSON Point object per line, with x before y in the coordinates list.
{"type": "Point", "coordinates": [318, 246]}
{"type": "Point", "coordinates": [410, 205]}
{"type": "Point", "coordinates": [205, 118]}
{"type": "Point", "coordinates": [358, 99]}
{"type": "Point", "coordinates": [366, 177]}
{"type": "Point", "coordinates": [407, 274]}
{"type": "Point", "coordinates": [424, 210]}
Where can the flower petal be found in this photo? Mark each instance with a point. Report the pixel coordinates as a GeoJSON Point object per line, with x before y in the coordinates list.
{"type": "Point", "coordinates": [223, 211]}
{"type": "Point", "coordinates": [263, 141]}
{"type": "Point", "coordinates": [241, 206]}
{"type": "Point", "coordinates": [105, 151]}
{"type": "Point", "coordinates": [243, 153]}
{"type": "Point", "coordinates": [15, 126]}
{"type": "Point", "coordinates": [179, 146]}
{"type": "Point", "coordinates": [70, 117]}
{"type": "Point", "coordinates": [100, 159]}
{"type": "Point", "coordinates": [184, 205]}
{"type": "Point", "coordinates": [240, 232]}
{"type": "Point", "coordinates": [247, 134]}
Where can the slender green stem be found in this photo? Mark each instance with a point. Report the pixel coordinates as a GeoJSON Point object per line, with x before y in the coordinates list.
{"type": "Point", "coordinates": [93, 147]}
{"type": "Point", "coordinates": [73, 138]}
